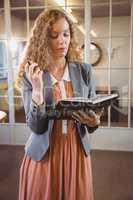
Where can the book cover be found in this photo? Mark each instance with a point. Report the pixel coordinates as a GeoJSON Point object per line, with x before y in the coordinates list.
{"type": "Point", "coordinates": [81, 102]}
{"type": "Point", "coordinates": [64, 108]}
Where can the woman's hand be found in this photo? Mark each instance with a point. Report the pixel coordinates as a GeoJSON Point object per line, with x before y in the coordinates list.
{"type": "Point", "coordinates": [35, 76]}
{"type": "Point", "coordinates": [91, 118]}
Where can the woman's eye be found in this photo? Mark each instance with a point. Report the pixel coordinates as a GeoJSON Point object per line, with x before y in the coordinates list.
{"type": "Point", "coordinates": [66, 34]}
{"type": "Point", "coordinates": [53, 35]}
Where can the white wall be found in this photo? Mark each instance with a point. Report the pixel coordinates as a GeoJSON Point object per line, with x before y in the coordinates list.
{"type": "Point", "coordinates": [118, 139]}
{"type": "Point", "coordinates": [120, 53]}
{"type": "Point", "coordinates": [18, 27]}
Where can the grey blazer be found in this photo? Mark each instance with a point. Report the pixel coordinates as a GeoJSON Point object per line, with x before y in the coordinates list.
{"type": "Point", "coordinates": [41, 127]}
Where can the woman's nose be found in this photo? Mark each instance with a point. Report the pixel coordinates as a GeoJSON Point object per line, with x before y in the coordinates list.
{"type": "Point", "coordinates": [61, 39]}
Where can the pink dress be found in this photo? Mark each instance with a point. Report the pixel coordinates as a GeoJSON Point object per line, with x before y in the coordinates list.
{"type": "Point", "coordinates": [64, 173]}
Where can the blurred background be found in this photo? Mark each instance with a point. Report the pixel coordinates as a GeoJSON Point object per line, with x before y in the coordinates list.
{"type": "Point", "coordinates": [104, 35]}
{"type": "Point", "coordinates": [104, 30]}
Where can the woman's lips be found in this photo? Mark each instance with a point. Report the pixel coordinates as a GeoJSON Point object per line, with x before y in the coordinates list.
{"type": "Point", "coordinates": [61, 49]}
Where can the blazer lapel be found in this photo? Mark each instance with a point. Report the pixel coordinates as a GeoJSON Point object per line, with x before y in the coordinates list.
{"type": "Point", "coordinates": [77, 83]}
{"type": "Point", "coordinates": [75, 76]}
{"type": "Point", "coordinates": [48, 93]}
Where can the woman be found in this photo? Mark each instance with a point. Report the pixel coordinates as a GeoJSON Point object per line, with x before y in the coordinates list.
{"type": "Point", "coordinates": [56, 165]}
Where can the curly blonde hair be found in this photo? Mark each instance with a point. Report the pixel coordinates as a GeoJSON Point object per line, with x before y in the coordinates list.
{"type": "Point", "coordinates": [36, 48]}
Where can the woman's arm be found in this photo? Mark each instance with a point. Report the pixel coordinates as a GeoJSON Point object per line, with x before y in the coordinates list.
{"type": "Point", "coordinates": [35, 114]}
{"type": "Point", "coordinates": [92, 92]}
{"type": "Point", "coordinates": [91, 120]}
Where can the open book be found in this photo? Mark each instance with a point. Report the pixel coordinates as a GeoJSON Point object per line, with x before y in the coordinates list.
{"type": "Point", "coordinates": [75, 103]}
{"type": "Point", "coordinates": [64, 108]}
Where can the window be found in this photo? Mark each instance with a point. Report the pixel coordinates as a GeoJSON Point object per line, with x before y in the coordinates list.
{"type": "Point", "coordinates": [110, 29]}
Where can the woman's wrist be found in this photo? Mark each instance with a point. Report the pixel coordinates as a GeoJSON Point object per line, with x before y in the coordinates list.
{"type": "Point", "coordinates": [37, 97]}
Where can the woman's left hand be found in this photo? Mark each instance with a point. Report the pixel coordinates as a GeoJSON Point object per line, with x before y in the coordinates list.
{"type": "Point", "coordinates": [90, 118]}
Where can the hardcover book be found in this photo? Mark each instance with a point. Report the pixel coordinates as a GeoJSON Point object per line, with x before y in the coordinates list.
{"type": "Point", "coordinates": [64, 108]}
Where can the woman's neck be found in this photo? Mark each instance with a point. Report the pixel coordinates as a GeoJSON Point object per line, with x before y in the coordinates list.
{"type": "Point", "coordinates": [57, 64]}
{"type": "Point", "coordinates": [57, 67]}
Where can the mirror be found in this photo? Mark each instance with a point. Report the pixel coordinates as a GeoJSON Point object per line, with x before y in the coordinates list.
{"type": "Point", "coordinates": [95, 53]}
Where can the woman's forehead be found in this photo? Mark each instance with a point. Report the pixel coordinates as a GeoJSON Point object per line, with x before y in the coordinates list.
{"type": "Point", "coordinates": [60, 25]}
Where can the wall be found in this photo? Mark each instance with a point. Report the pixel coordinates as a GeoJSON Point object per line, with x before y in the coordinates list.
{"type": "Point", "coordinates": [120, 52]}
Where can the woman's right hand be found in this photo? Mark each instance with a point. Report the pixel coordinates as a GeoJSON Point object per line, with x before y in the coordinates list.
{"type": "Point", "coordinates": [34, 74]}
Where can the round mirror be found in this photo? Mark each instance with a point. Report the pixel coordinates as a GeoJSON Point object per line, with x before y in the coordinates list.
{"type": "Point", "coordinates": [95, 54]}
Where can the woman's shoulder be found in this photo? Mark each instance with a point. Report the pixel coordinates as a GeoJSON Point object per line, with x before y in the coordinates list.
{"type": "Point", "coordinates": [85, 69]}
{"type": "Point", "coordinates": [84, 65]}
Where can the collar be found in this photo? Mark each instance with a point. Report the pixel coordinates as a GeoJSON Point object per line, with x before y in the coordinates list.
{"type": "Point", "coordinates": [65, 76]}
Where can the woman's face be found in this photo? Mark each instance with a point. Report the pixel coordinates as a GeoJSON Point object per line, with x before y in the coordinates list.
{"type": "Point", "coordinates": [59, 38]}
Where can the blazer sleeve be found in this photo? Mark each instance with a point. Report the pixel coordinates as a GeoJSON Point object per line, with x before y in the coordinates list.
{"type": "Point", "coordinates": [35, 115]}
{"type": "Point", "coordinates": [91, 82]}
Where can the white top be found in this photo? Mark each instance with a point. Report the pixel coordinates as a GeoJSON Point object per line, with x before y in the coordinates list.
{"type": "Point", "coordinates": [65, 77]}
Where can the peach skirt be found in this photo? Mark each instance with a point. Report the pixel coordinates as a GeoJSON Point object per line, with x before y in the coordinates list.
{"type": "Point", "coordinates": [64, 173]}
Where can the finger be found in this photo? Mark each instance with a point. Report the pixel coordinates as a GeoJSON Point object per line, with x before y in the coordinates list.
{"type": "Point", "coordinates": [31, 69]}
{"type": "Point", "coordinates": [29, 62]}
{"type": "Point", "coordinates": [101, 112]}
{"type": "Point", "coordinates": [93, 120]}
{"type": "Point", "coordinates": [82, 114]}
{"type": "Point", "coordinates": [88, 121]}
{"type": "Point", "coordinates": [91, 113]}
{"type": "Point", "coordinates": [84, 117]}
{"type": "Point", "coordinates": [40, 73]}
{"type": "Point", "coordinates": [34, 66]}
{"type": "Point", "coordinates": [26, 68]}
{"type": "Point", "coordinates": [98, 122]}
{"type": "Point", "coordinates": [37, 70]}
{"type": "Point", "coordinates": [76, 119]}
{"type": "Point", "coordinates": [31, 65]}
{"type": "Point", "coordinates": [87, 118]}
{"type": "Point", "coordinates": [77, 116]}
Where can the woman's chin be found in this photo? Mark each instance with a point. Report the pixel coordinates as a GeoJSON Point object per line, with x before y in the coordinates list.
{"type": "Point", "coordinates": [61, 55]}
